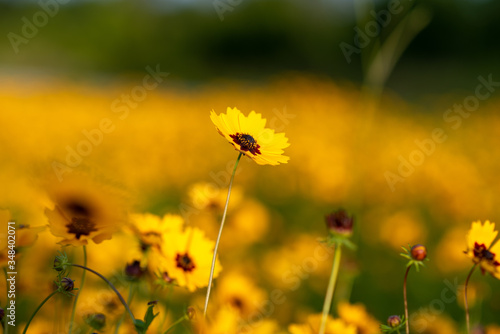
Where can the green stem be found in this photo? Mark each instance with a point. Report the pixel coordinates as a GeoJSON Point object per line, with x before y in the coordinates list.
{"type": "Point", "coordinates": [79, 292]}
{"type": "Point", "coordinates": [465, 299]}
{"type": "Point", "coordinates": [37, 309]}
{"type": "Point", "coordinates": [185, 317]}
{"type": "Point", "coordinates": [129, 300]}
{"type": "Point", "coordinates": [218, 237]}
{"type": "Point", "coordinates": [406, 301]}
{"type": "Point", "coordinates": [331, 288]}
{"type": "Point", "coordinates": [110, 285]}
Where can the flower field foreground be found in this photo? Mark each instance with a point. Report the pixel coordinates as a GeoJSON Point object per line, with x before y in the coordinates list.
{"type": "Point", "coordinates": [117, 193]}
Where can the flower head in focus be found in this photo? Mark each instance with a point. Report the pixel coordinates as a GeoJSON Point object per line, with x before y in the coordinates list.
{"type": "Point", "coordinates": [185, 258]}
{"type": "Point", "coordinates": [249, 136]}
{"type": "Point", "coordinates": [480, 247]}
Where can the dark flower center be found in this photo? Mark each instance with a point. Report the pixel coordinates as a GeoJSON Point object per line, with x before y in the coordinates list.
{"type": "Point", "coordinates": [482, 253]}
{"type": "Point", "coordinates": [246, 142]}
{"type": "Point", "coordinates": [78, 208]}
{"type": "Point", "coordinates": [184, 262]}
{"type": "Point", "coordinates": [80, 226]}
{"type": "Point", "coordinates": [237, 302]}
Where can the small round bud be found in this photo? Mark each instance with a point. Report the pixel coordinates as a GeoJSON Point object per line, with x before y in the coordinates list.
{"type": "Point", "coordinates": [339, 222]}
{"type": "Point", "coordinates": [2, 313]}
{"type": "Point", "coordinates": [134, 270]}
{"type": "Point", "coordinates": [191, 312]}
{"type": "Point", "coordinates": [57, 264]}
{"type": "Point", "coordinates": [67, 284]}
{"type": "Point", "coordinates": [394, 321]}
{"type": "Point", "coordinates": [96, 321]}
{"type": "Point", "coordinates": [419, 252]}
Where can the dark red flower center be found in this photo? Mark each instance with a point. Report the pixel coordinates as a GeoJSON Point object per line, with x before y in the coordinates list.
{"type": "Point", "coordinates": [482, 253]}
{"type": "Point", "coordinates": [246, 142]}
{"type": "Point", "coordinates": [80, 226]}
{"type": "Point", "coordinates": [184, 262]}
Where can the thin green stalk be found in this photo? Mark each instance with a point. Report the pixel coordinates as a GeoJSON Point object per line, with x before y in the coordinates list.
{"type": "Point", "coordinates": [37, 309]}
{"type": "Point", "coordinates": [331, 288]}
{"type": "Point", "coordinates": [406, 301]}
{"type": "Point", "coordinates": [129, 300]}
{"type": "Point", "coordinates": [185, 317]}
{"type": "Point", "coordinates": [110, 285]}
{"type": "Point", "coordinates": [167, 307]}
{"type": "Point", "coordinates": [218, 237]}
{"type": "Point", "coordinates": [465, 299]}
{"type": "Point", "coordinates": [79, 292]}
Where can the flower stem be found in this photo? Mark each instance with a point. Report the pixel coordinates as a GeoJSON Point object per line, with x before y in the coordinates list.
{"type": "Point", "coordinates": [331, 288]}
{"type": "Point", "coordinates": [129, 300]}
{"type": "Point", "coordinates": [218, 236]}
{"type": "Point", "coordinates": [79, 292]}
{"type": "Point", "coordinates": [37, 309]}
{"type": "Point", "coordinates": [184, 317]}
{"type": "Point", "coordinates": [110, 285]}
{"type": "Point", "coordinates": [406, 301]}
{"type": "Point", "coordinates": [465, 299]}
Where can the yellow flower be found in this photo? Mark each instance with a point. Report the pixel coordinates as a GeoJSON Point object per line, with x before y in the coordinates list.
{"type": "Point", "coordinates": [151, 228]}
{"type": "Point", "coordinates": [480, 248]}
{"type": "Point", "coordinates": [186, 257]}
{"type": "Point", "coordinates": [249, 136]}
{"type": "Point", "coordinates": [84, 210]}
{"type": "Point", "coordinates": [239, 292]}
{"type": "Point", "coordinates": [333, 326]}
{"type": "Point", "coordinates": [356, 315]}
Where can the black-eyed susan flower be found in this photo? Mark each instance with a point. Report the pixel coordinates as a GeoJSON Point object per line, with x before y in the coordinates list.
{"type": "Point", "coordinates": [480, 247]}
{"type": "Point", "coordinates": [84, 210]}
{"type": "Point", "coordinates": [249, 135]}
{"type": "Point", "coordinates": [185, 258]}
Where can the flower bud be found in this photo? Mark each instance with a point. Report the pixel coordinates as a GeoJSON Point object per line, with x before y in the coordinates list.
{"type": "Point", "coordinates": [419, 252]}
{"type": "Point", "coordinates": [96, 320]}
{"type": "Point", "coordinates": [191, 312]}
{"type": "Point", "coordinates": [339, 222]}
{"type": "Point", "coordinates": [2, 313]}
{"type": "Point", "coordinates": [394, 321]}
{"type": "Point", "coordinates": [134, 270]}
{"type": "Point", "coordinates": [67, 284]}
{"type": "Point", "coordinates": [58, 264]}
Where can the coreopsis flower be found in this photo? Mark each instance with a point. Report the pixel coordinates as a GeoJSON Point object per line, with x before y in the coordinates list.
{"type": "Point", "coordinates": [249, 136]}
{"type": "Point", "coordinates": [480, 247]}
{"type": "Point", "coordinates": [356, 314]}
{"type": "Point", "coordinates": [237, 291]}
{"type": "Point", "coordinates": [84, 210]}
{"type": "Point", "coordinates": [151, 228]}
{"type": "Point", "coordinates": [185, 258]}
{"type": "Point", "coordinates": [333, 326]}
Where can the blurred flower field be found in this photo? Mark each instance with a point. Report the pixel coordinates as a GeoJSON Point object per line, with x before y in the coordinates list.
{"type": "Point", "coordinates": [154, 170]}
